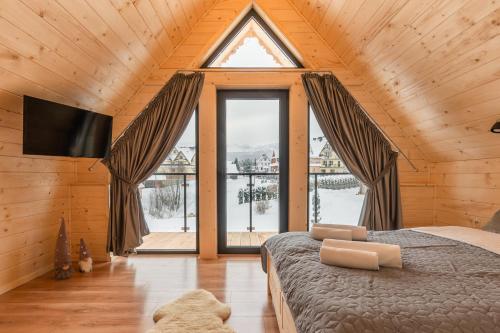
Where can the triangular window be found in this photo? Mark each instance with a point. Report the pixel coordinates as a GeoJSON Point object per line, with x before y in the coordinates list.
{"type": "Point", "coordinates": [252, 43]}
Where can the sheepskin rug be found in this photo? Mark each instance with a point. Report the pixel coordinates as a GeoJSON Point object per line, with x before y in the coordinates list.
{"type": "Point", "coordinates": [195, 312]}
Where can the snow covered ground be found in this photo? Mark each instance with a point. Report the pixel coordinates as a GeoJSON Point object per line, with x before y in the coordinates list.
{"type": "Point", "coordinates": [238, 215]}
{"type": "Point", "coordinates": [336, 206]}
{"type": "Point", "coordinates": [172, 221]}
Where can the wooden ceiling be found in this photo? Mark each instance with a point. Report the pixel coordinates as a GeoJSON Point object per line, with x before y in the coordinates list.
{"type": "Point", "coordinates": [95, 54]}
{"type": "Point", "coordinates": [432, 66]}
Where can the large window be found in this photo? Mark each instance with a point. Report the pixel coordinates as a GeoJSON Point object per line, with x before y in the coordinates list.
{"type": "Point", "coordinates": [335, 195]}
{"type": "Point", "coordinates": [169, 198]}
{"type": "Point", "coordinates": [252, 43]}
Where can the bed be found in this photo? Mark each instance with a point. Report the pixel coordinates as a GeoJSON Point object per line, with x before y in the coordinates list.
{"type": "Point", "coordinates": [450, 282]}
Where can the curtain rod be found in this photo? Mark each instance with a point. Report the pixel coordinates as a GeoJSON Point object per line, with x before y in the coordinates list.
{"type": "Point", "coordinates": [281, 70]}
{"type": "Point", "coordinates": [251, 70]}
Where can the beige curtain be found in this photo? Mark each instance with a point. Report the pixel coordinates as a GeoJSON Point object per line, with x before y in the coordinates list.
{"type": "Point", "coordinates": [139, 152]}
{"type": "Point", "coordinates": [361, 146]}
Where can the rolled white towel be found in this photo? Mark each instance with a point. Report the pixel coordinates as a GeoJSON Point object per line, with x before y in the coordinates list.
{"type": "Point", "coordinates": [349, 258]}
{"type": "Point", "coordinates": [359, 233]}
{"type": "Point", "coordinates": [319, 233]}
{"type": "Point", "coordinates": [389, 255]}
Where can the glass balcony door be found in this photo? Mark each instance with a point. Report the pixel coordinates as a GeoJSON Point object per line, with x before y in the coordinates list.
{"type": "Point", "coordinates": [169, 198]}
{"type": "Point", "coordinates": [252, 168]}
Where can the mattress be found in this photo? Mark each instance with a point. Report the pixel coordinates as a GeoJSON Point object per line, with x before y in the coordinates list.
{"type": "Point", "coordinates": [446, 285]}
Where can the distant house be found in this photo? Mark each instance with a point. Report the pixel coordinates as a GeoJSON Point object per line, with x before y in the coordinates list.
{"type": "Point", "coordinates": [322, 158]}
{"type": "Point", "coordinates": [180, 160]}
{"type": "Point", "coordinates": [275, 162]}
{"type": "Point", "coordinates": [263, 163]}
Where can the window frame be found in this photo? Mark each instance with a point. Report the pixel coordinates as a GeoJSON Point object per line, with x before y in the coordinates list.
{"type": "Point", "coordinates": [252, 14]}
{"type": "Point", "coordinates": [226, 94]}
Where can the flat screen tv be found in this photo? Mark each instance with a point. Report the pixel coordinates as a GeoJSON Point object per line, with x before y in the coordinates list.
{"type": "Point", "coordinates": [59, 130]}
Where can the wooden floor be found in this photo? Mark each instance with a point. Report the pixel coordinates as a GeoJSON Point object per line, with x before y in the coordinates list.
{"type": "Point", "coordinates": [121, 296]}
{"type": "Point", "coordinates": [187, 240]}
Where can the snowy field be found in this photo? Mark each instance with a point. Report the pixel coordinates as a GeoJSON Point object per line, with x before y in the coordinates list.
{"type": "Point", "coordinates": [172, 221]}
{"type": "Point", "coordinates": [238, 215]}
{"type": "Point", "coordinates": [336, 206]}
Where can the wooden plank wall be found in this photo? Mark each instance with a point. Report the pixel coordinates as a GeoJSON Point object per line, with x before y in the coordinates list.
{"type": "Point", "coordinates": [90, 208]}
{"type": "Point", "coordinates": [90, 54]}
{"type": "Point", "coordinates": [467, 192]}
{"type": "Point", "coordinates": [417, 194]}
{"type": "Point", "coordinates": [432, 65]}
{"type": "Point", "coordinates": [34, 194]}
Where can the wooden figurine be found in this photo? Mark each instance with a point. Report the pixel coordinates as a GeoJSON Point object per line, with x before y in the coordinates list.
{"type": "Point", "coordinates": [62, 258]}
{"type": "Point", "coordinates": [85, 262]}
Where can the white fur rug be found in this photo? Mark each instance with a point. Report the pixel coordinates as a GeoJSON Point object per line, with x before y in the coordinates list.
{"type": "Point", "coordinates": [195, 312]}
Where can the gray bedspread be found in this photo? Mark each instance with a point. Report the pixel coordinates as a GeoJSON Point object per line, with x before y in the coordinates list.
{"type": "Point", "coordinates": [444, 286]}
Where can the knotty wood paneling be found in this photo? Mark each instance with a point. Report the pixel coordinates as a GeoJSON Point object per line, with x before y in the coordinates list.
{"type": "Point", "coordinates": [34, 194]}
{"type": "Point", "coordinates": [467, 192]}
{"type": "Point", "coordinates": [432, 65]}
{"type": "Point", "coordinates": [90, 54]}
{"type": "Point", "coordinates": [93, 54]}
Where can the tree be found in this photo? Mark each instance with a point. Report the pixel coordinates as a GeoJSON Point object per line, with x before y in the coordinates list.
{"type": "Point", "coordinates": [165, 199]}
{"type": "Point", "coordinates": [316, 218]}
{"type": "Point", "coordinates": [246, 166]}
{"type": "Point", "coordinates": [236, 162]}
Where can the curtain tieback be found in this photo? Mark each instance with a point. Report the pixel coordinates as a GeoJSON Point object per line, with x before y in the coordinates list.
{"type": "Point", "coordinates": [385, 170]}
{"type": "Point", "coordinates": [115, 174]}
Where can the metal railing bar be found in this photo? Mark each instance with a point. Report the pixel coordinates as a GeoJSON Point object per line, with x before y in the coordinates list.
{"type": "Point", "coordinates": [329, 173]}
{"type": "Point", "coordinates": [173, 173]}
{"type": "Point", "coordinates": [251, 200]}
{"type": "Point", "coordinates": [185, 203]}
{"type": "Point", "coordinates": [315, 198]}
{"type": "Point", "coordinates": [251, 173]}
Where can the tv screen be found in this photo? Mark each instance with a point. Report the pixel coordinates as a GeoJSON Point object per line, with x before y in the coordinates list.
{"type": "Point", "coordinates": [59, 130]}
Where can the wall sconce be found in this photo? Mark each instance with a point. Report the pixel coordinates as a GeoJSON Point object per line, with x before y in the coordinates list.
{"type": "Point", "coordinates": [496, 127]}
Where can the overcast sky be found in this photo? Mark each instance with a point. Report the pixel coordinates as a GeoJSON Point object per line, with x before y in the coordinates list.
{"type": "Point", "coordinates": [252, 123]}
{"type": "Point", "coordinates": [188, 138]}
{"type": "Point", "coordinates": [314, 129]}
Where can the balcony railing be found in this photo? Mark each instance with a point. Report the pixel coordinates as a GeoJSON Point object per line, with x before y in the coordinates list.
{"type": "Point", "coordinates": [163, 201]}
{"type": "Point", "coordinates": [327, 181]}
{"type": "Point", "coordinates": [256, 194]}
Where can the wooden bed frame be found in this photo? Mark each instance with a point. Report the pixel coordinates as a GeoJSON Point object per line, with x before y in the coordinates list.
{"type": "Point", "coordinates": [281, 308]}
